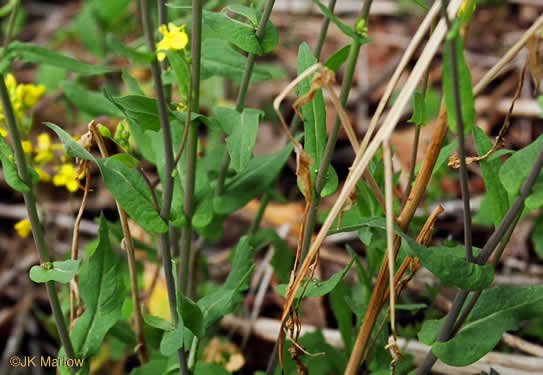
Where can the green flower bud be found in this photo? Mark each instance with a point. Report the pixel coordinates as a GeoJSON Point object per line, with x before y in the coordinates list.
{"type": "Point", "coordinates": [104, 131]}
{"type": "Point", "coordinates": [360, 27]}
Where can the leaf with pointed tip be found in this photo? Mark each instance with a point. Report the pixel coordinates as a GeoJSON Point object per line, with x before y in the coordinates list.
{"type": "Point", "coordinates": [61, 271]}
{"type": "Point", "coordinates": [100, 286]}
{"type": "Point", "coordinates": [241, 142]}
{"type": "Point", "coordinates": [71, 147]}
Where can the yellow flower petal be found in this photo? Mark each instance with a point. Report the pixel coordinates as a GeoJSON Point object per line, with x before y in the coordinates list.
{"type": "Point", "coordinates": [44, 176]}
{"type": "Point", "coordinates": [3, 132]}
{"type": "Point", "coordinates": [27, 146]}
{"type": "Point", "coordinates": [23, 228]}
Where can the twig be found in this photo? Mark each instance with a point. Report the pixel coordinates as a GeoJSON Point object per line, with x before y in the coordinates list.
{"type": "Point", "coordinates": [75, 247]}
{"type": "Point", "coordinates": [192, 146]}
{"type": "Point", "coordinates": [127, 244]}
{"type": "Point", "coordinates": [451, 49]}
{"type": "Point", "coordinates": [168, 179]}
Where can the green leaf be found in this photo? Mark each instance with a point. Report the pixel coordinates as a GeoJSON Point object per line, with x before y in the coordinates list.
{"type": "Point", "coordinates": [172, 341]}
{"type": "Point", "coordinates": [132, 193]}
{"type": "Point", "coordinates": [71, 147]}
{"type": "Point", "coordinates": [498, 310]}
{"type": "Point", "coordinates": [241, 142]}
{"type": "Point", "coordinates": [220, 59]}
{"type": "Point", "coordinates": [90, 102]}
{"type": "Point", "coordinates": [515, 170]}
{"type": "Point", "coordinates": [342, 313]}
{"type": "Point", "coordinates": [206, 368]}
{"type": "Point", "coordinates": [242, 35]}
{"type": "Point", "coordinates": [100, 286]}
{"type": "Point", "coordinates": [347, 30]}
{"type": "Point", "coordinates": [61, 271]}
{"type": "Point", "coordinates": [465, 86]}
{"type": "Point", "coordinates": [315, 132]}
{"type": "Point", "coordinates": [137, 109]}
{"type": "Point", "coordinates": [182, 71]}
{"type": "Point", "coordinates": [38, 55]}
{"type": "Point", "coordinates": [419, 109]}
{"type": "Point", "coordinates": [444, 155]}
{"type": "Point", "coordinates": [225, 299]}
{"type": "Point", "coordinates": [317, 288]}
{"type": "Point", "coordinates": [430, 330]}
{"type": "Point", "coordinates": [338, 58]}
{"type": "Point", "coordinates": [131, 83]}
{"type": "Point", "coordinates": [257, 178]}
{"type": "Point", "coordinates": [193, 318]}
{"type": "Point", "coordinates": [447, 263]}
{"type": "Point", "coordinates": [157, 322]}
{"type": "Point", "coordinates": [497, 195]}
{"type": "Point", "coordinates": [270, 39]}
{"type": "Point", "coordinates": [10, 168]}
{"type": "Point", "coordinates": [451, 267]}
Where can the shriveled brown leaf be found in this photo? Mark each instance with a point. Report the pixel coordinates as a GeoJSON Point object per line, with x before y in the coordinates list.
{"type": "Point", "coordinates": [534, 60]}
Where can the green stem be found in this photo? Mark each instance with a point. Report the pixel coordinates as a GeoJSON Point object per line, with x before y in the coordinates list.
{"type": "Point", "coordinates": [192, 145]}
{"type": "Point", "coordinates": [240, 103]}
{"type": "Point", "coordinates": [37, 229]}
{"type": "Point", "coordinates": [451, 49]}
{"type": "Point", "coordinates": [168, 180]}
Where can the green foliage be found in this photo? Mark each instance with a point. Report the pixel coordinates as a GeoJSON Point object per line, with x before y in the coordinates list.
{"type": "Point", "coordinates": [10, 168]}
{"type": "Point", "coordinates": [315, 288]}
{"type": "Point", "coordinates": [467, 104]}
{"type": "Point", "coordinates": [90, 102]}
{"type": "Point", "coordinates": [517, 167]}
{"type": "Point", "coordinates": [241, 142]}
{"type": "Point", "coordinates": [347, 30]}
{"type": "Point", "coordinates": [496, 194]}
{"type": "Point", "coordinates": [261, 171]}
{"type": "Point", "coordinates": [314, 113]}
{"type": "Point", "coordinates": [71, 147]}
{"type": "Point", "coordinates": [130, 190]}
{"type": "Point", "coordinates": [34, 54]}
{"type": "Point", "coordinates": [498, 310]}
{"type": "Point", "coordinates": [338, 58]}
{"type": "Point", "coordinates": [241, 34]}
{"type": "Point", "coordinates": [61, 271]}
{"type": "Point", "coordinates": [100, 287]}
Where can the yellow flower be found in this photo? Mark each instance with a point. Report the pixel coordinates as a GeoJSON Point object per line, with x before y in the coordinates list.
{"type": "Point", "coordinates": [23, 228]}
{"type": "Point", "coordinates": [44, 151]}
{"type": "Point", "coordinates": [67, 177]}
{"type": "Point", "coordinates": [44, 176]}
{"type": "Point", "coordinates": [3, 132]}
{"type": "Point", "coordinates": [173, 39]}
{"type": "Point", "coordinates": [27, 147]}
{"type": "Point", "coordinates": [31, 94]}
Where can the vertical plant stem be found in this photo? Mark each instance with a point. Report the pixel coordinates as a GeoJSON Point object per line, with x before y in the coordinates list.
{"type": "Point", "coordinates": [332, 138]}
{"type": "Point", "coordinates": [451, 49]}
{"type": "Point", "coordinates": [29, 198]}
{"type": "Point", "coordinates": [37, 229]}
{"type": "Point", "coordinates": [192, 146]}
{"type": "Point", "coordinates": [510, 217]}
{"type": "Point", "coordinates": [240, 103]}
{"type": "Point", "coordinates": [295, 123]}
{"type": "Point", "coordinates": [168, 180]}
{"type": "Point", "coordinates": [127, 244]}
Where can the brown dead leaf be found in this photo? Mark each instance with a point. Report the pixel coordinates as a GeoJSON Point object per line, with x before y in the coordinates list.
{"type": "Point", "coordinates": [224, 353]}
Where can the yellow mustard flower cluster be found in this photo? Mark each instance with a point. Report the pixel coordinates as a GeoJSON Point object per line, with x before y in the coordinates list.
{"type": "Point", "coordinates": [43, 154]}
{"type": "Point", "coordinates": [174, 38]}
{"type": "Point", "coordinates": [23, 97]}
